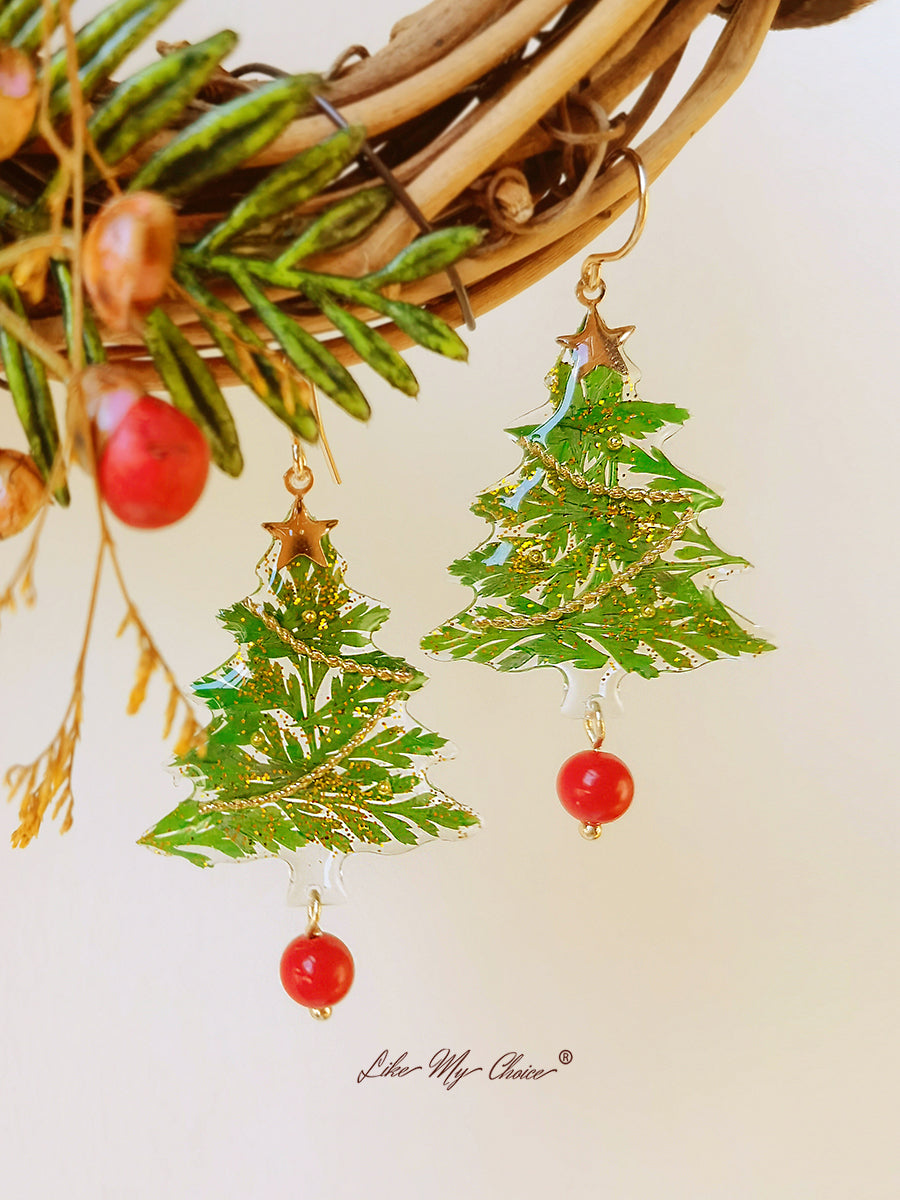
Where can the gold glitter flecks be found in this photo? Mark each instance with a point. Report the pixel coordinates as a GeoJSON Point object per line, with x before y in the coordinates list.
{"type": "Point", "coordinates": [589, 599]}
{"type": "Point", "coordinates": [324, 768]}
{"type": "Point", "coordinates": [336, 662]}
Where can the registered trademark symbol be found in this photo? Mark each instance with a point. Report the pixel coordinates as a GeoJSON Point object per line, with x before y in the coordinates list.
{"type": "Point", "coordinates": [565, 1057]}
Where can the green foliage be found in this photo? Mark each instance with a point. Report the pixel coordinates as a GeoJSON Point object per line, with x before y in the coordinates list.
{"type": "Point", "coordinates": [27, 16]}
{"type": "Point", "coordinates": [555, 540]}
{"type": "Point", "coordinates": [244, 350]}
{"type": "Point", "coordinates": [301, 177]}
{"type": "Point", "coordinates": [193, 389]}
{"type": "Point", "coordinates": [150, 100]}
{"type": "Point", "coordinates": [310, 358]}
{"type": "Point", "coordinates": [93, 351]}
{"type": "Point", "coordinates": [14, 16]}
{"type": "Point", "coordinates": [224, 137]}
{"type": "Point", "coordinates": [262, 242]}
{"type": "Point", "coordinates": [27, 382]}
{"type": "Point", "coordinates": [331, 293]}
{"type": "Point", "coordinates": [342, 222]}
{"type": "Point", "coordinates": [102, 45]}
{"type": "Point", "coordinates": [338, 738]}
{"type": "Point", "coordinates": [369, 345]}
{"type": "Point", "coordinates": [427, 255]}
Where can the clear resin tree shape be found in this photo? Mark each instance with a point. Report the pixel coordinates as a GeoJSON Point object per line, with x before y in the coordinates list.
{"type": "Point", "coordinates": [309, 747]}
{"type": "Point", "coordinates": [598, 560]}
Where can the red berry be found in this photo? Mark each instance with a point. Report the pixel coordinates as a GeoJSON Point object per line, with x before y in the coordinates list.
{"type": "Point", "coordinates": [317, 971]}
{"type": "Point", "coordinates": [154, 466]}
{"type": "Point", "coordinates": [108, 392]}
{"type": "Point", "coordinates": [594, 786]}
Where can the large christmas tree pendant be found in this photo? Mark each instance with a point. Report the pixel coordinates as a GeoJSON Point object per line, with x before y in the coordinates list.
{"type": "Point", "coordinates": [597, 563]}
{"type": "Point", "coordinates": [310, 753]}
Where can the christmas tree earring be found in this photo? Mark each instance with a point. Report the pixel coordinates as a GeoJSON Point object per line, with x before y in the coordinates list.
{"type": "Point", "coordinates": [597, 563]}
{"type": "Point", "coordinates": [310, 753]}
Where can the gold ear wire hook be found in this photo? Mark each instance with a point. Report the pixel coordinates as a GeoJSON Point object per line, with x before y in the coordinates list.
{"type": "Point", "coordinates": [590, 280]}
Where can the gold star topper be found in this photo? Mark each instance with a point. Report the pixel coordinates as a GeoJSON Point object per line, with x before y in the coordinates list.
{"type": "Point", "coordinates": [601, 342]}
{"type": "Point", "coordinates": [300, 534]}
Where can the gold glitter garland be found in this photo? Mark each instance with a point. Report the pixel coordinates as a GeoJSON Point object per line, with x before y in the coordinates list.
{"type": "Point", "coordinates": [581, 603]}
{"type": "Point", "coordinates": [335, 661]}
{"type": "Point", "coordinates": [300, 784]}
{"type": "Point", "coordinates": [648, 495]}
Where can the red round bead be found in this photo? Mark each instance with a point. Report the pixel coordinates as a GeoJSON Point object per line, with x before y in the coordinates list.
{"type": "Point", "coordinates": [595, 787]}
{"type": "Point", "coordinates": [154, 466]}
{"type": "Point", "coordinates": [317, 971]}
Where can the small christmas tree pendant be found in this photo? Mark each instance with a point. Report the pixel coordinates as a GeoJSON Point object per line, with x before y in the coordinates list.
{"type": "Point", "coordinates": [597, 561]}
{"type": "Point", "coordinates": [310, 753]}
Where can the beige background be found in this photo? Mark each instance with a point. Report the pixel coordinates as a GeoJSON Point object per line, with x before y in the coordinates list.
{"type": "Point", "coordinates": [722, 966]}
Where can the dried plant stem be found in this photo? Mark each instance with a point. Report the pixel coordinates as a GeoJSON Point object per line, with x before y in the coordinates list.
{"type": "Point", "coordinates": [76, 167]}
{"type": "Point", "coordinates": [21, 581]}
{"type": "Point", "coordinates": [509, 267]}
{"type": "Point", "coordinates": [527, 105]}
{"type": "Point", "coordinates": [44, 242]}
{"type": "Point", "coordinates": [47, 781]}
{"type": "Point", "coordinates": [150, 659]}
{"type": "Point", "coordinates": [475, 87]}
{"type": "Point", "coordinates": [417, 41]}
{"type": "Point", "coordinates": [545, 102]}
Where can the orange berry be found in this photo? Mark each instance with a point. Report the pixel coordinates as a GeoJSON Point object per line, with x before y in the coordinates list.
{"type": "Point", "coordinates": [22, 492]}
{"type": "Point", "coordinates": [128, 254]}
{"type": "Point", "coordinates": [18, 99]}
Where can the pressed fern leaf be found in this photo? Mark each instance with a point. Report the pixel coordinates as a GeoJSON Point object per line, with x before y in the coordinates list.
{"type": "Point", "coordinates": [597, 559]}
{"type": "Point", "coordinates": [309, 739]}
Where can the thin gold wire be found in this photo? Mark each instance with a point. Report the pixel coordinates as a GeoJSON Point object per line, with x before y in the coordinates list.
{"type": "Point", "coordinates": [588, 599]}
{"type": "Point", "coordinates": [648, 495]}
{"type": "Point", "coordinates": [313, 912]}
{"type": "Point", "coordinates": [299, 785]}
{"type": "Point", "coordinates": [336, 661]}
